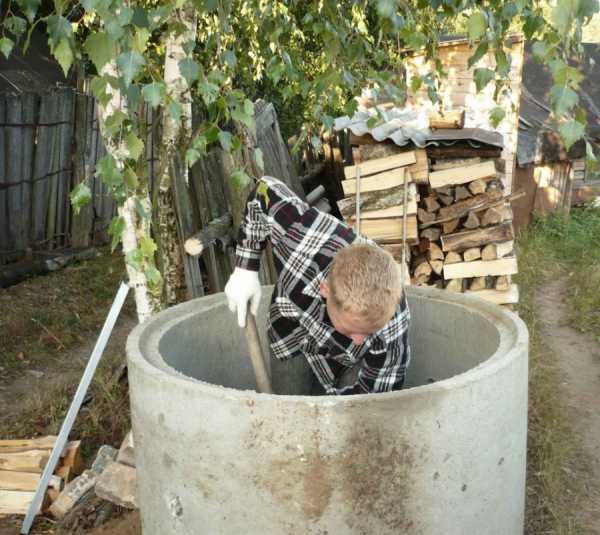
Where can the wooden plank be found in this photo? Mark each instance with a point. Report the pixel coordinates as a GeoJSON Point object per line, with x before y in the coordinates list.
{"type": "Point", "coordinates": [30, 104]}
{"type": "Point", "coordinates": [385, 180]}
{"type": "Point", "coordinates": [25, 481]}
{"type": "Point", "coordinates": [462, 175]}
{"type": "Point", "coordinates": [392, 211]}
{"type": "Point", "coordinates": [377, 200]}
{"type": "Point", "coordinates": [499, 298]}
{"type": "Point", "coordinates": [15, 502]}
{"type": "Point", "coordinates": [27, 461]}
{"type": "Point", "coordinates": [476, 238]}
{"type": "Point", "coordinates": [481, 268]}
{"type": "Point", "coordinates": [71, 457]}
{"type": "Point", "coordinates": [388, 163]}
{"type": "Point", "coordinates": [13, 172]}
{"type": "Point", "coordinates": [440, 165]}
{"type": "Point", "coordinates": [447, 119]}
{"type": "Point", "coordinates": [389, 229]}
{"type": "Point", "coordinates": [420, 169]}
{"type": "Point", "coordinates": [18, 445]}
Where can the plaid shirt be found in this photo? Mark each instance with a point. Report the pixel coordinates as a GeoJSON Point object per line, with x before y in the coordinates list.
{"type": "Point", "coordinates": [305, 242]}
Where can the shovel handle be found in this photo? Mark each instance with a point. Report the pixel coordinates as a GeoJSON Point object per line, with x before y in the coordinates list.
{"type": "Point", "coordinates": [263, 382]}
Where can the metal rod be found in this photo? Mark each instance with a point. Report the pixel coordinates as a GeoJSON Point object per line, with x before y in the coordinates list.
{"type": "Point", "coordinates": [69, 420]}
{"type": "Point", "coordinates": [263, 381]}
{"type": "Point", "coordinates": [404, 219]}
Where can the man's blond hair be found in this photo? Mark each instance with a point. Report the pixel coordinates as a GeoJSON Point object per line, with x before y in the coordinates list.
{"type": "Point", "coordinates": [365, 280]}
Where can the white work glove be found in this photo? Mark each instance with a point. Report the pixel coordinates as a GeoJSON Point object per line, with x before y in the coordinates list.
{"type": "Point", "coordinates": [243, 286]}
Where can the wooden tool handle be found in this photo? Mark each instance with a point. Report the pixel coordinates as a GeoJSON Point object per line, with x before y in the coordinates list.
{"type": "Point", "coordinates": [263, 382]}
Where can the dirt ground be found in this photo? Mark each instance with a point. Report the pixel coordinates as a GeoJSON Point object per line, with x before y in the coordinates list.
{"type": "Point", "coordinates": [579, 361]}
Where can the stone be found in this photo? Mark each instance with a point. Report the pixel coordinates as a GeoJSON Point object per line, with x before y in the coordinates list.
{"type": "Point", "coordinates": [126, 452]}
{"type": "Point", "coordinates": [73, 493]}
{"type": "Point", "coordinates": [117, 484]}
{"type": "Point", "coordinates": [103, 457]}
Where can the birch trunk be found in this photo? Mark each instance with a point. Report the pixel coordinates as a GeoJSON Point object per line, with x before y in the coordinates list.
{"type": "Point", "coordinates": [169, 248]}
{"type": "Point", "coordinates": [135, 227]}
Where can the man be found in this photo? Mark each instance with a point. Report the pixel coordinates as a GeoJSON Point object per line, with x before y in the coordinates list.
{"type": "Point", "coordinates": [338, 300]}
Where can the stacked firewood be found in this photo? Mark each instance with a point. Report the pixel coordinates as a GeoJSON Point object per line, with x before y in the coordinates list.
{"type": "Point", "coordinates": [21, 465]}
{"type": "Point", "coordinates": [465, 231]}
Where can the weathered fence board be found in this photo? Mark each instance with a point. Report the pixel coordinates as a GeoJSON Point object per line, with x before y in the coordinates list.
{"type": "Point", "coordinates": [4, 245]}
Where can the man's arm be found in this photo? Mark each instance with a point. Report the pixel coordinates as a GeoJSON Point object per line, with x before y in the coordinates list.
{"type": "Point", "coordinates": [271, 208]}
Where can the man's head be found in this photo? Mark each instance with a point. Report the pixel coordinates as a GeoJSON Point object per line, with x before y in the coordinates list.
{"type": "Point", "coordinates": [362, 290]}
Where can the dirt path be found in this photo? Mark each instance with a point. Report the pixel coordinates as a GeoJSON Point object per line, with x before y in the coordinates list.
{"type": "Point", "coordinates": [578, 356]}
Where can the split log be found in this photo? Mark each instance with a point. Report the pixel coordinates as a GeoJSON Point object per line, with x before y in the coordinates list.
{"type": "Point", "coordinates": [452, 258]}
{"type": "Point", "coordinates": [450, 226]}
{"type": "Point", "coordinates": [371, 167]}
{"type": "Point", "coordinates": [462, 150]}
{"type": "Point", "coordinates": [431, 204]}
{"type": "Point", "coordinates": [472, 221]}
{"type": "Point", "coordinates": [420, 169]}
{"type": "Point", "coordinates": [462, 175]}
{"type": "Point", "coordinates": [492, 251]}
{"type": "Point", "coordinates": [15, 446]}
{"type": "Point", "coordinates": [454, 285]}
{"type": "Point", "coordinates": [26, 481]}
{"type": "Point", "coordinates": [509, 296]}
{"type": "Point", "coordinates": [477, 284]}
{"type": "Point", "coordinates": [425, 216]}
{"type": "Point", "coordinates": [435, 252]}
{"type": "Point", "coordinates": [492, 216]}
{"type": "Point", "coordinates": [437, 266]}
{"type": "Point", "coordinates": [378, 200]}
{"type": "Point", "coordinates": [389, 229]}
{"type": "Point", "coordinates": [431, 233]}
{"type": "Point", "coordinates": [461, 193]}
{"type": "Point", "coordinates": [473, 253]}
{"type": "Point", "coordinates": [26, 461]}
{"type": "Point", "coordinates": [477, 186]}
{"type": "Point", "coordinates": [440, 165]}
{"type": "Point", "coordinates": [384, 180]}
{"type": "Point", "coordinates": [502, 283]}
{"type": "Point", "coordinates": [117, 484]}
{"type": "Point", "coordinates": [423, 270]}
{"type": "Point", "coordinates": [17, 502]}
{"type": "Point", "coordinates": [446, 200]}
{"type": "Point", "coordinates": [395, 249]}
{"type": "Point", "coordinates": [463, 207]}
{"type": "Point", "coordinates": [73, 492]}
{"type": "Point", "coordinates": [476, 238]}
{"type": "Point", "coordinates": [447, 119]}
{"type": "Point", "coordinates": [479, 268]}
{"type": "Point", "coordinates": [218, 229]}
{"type": "Point", "coordinates": [71, 457]}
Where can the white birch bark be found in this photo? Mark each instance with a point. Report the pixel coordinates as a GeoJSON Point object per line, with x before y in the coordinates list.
{"type": "Point", "coordinates": [169, 247]}
{"type": "Point", "coordinates": [135, 226]}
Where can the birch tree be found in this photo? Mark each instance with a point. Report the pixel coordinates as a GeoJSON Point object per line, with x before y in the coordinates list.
{"type": "Point", "coordinates": [215, 53]}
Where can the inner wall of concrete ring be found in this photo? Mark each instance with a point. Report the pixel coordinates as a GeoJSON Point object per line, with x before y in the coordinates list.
{"type": "Point", "coordinates": [445, 455]}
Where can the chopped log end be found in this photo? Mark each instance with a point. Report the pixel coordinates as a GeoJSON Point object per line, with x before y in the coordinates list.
{"type": "Point", "coordinates": [502, 283]}
{"type": "Point", "coordinates": [435, 252]}
{"type": "Point", "coordinates": [431, 233]}
{"type": "Point", "coordinates": [193, 247]}
{"type": "Point", "coordinates": [477, 284]}
{"type": "Point", "coordinates": [455, 285]}
{"type": "Point", "coordinates": [437, 266]}
{"type": "Point", "coordinates": [446, 200]}
{"type": "Point", "coordinates": [473, 253]}
{"type": "Point", "coordinates": [450, 226]}
{"type": "Point", "coordinates": [477, 186]}
{"type": "Point", "coordinates": [472, 221]}
{"type": "Point", "coordinates": [492, 216]}
{"type": "Point", "coordinates": [425, 216]}
{"type": "Point", "coordinates": [453, 258]}
{"type": "Point", "coordinates": [461, 193]}
{"type": "Point", "coordinates": [489, 252]}
{"type": "Point", "coordinates": [431, 204]}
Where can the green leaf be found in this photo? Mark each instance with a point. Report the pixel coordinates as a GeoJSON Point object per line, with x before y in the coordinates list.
{"type": "Point", "coordinates": [80, 196]}
{"type": "Point", "coordinates": [502, 66]}
{"type": "Point", "coordinates": [107, 169]}
{"type": "Point", "coordinates": [571, 132]}
{"type": "Point", "coordinates": [563, 74]}
{"type": "Point", "coordinates": [415, 83]}
{"type": "Point", "coordinates": [130, 64]}
{"type": "Point", "coordinates": [242, 117]}
{"type": "Point", "coordinates": [249, 107]}
{"type": "Point", "coordinates": [64, 55]}
{"type": "Point", "coordinates": [100, 48]}
{"type": "Point", "coordinates": [59, 29]}
{"type": "Point", "coordinates": [115, 229]}
{"type": "Point", "coordinates": [15, 25]}
{"type": "Point", "coordinates": [153, 276]}
{"type": "Point", "coordinates": [258, 158]}
{"type": "Point", "coordinates": [483, 77]}
{"type": "Point", "coordinates": [240, 180]}
{"type": "Point", "coordinates": [140, 18]}
{"type": "Point", "coordinates": [192, 156]}
{"type": "Point", "coordinates": [208, 91]}
{"type": "Point", "coordinates": [372, 122]}
{"type": "Point", "coordinates": [190, 70]}
{"type": "Point", "coordinates": [130, 178]}
{"type": "Point", "coordinates": [480, 51]}
{"type": "Point", "coordinates": [114, 121]}
{"type": "Point", "coordinates": [496, 116]}
{"type": "Point", "coordinates": [140, 40]}
{"type": "Point", "coordinates": [225, 140]}
{"type": "Point", "coordinates": [230, 58]}
{"type": "Point", "coordinates": [6, 46]}
{"type": "Point", "coordinates": [124, 15]}
{"type": "Point", "coordinates": [476, 25]}
{"type": "Point", "coordinates": [99, 86]}
{"type": "Point", "coordinates": [29, 8]}
{"type": "Point", "coordinates": [539, 49]}
{"type": "Point", "coordinates": [563, 14]}
{"type": "Point", "coordinates": [135, 259]}
{"type": "Point", "coordinates": [563, 99]}
{"type": "Point", "coordinates": [147, 246]}
{"type": "Point", "coordinates": [175, 110]}
{"type": "Point", "coordinates": [135, 146]}
{"type": "Point", "coordinates": [154, 93]}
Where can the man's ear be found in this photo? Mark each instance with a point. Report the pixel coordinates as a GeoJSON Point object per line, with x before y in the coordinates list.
{"type": "Point", "coordinates": [324, 289]}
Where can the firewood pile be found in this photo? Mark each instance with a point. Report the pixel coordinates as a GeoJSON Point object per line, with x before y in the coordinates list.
{"type": "Point", "coordinates": [459, 224]}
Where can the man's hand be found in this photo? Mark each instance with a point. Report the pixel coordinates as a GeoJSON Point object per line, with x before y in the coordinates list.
{"type": "Point", "coordinates": [243, 286]}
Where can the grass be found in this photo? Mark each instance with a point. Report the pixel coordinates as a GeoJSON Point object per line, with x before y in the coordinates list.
{"type": "Point", "coordinates": [50, 324]}
{"type": "Point", "coordinates": [551, 247]}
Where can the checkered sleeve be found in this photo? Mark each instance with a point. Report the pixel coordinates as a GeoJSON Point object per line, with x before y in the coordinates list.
{"type": "Point", "coordinates": [270, 209]}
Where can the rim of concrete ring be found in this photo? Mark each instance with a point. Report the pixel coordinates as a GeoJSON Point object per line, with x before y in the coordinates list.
{"type": "Point", "coordinates": [513, 332]}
